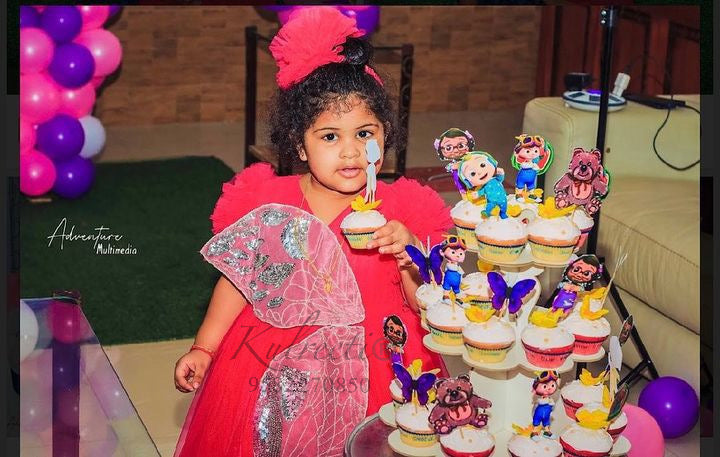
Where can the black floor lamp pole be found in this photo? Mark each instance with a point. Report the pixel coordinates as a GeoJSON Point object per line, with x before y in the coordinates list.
{"type": "Point", "coordinates": [608, 19]}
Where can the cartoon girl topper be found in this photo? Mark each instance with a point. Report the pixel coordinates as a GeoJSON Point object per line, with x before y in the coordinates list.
{"type": "Point", "coordinates": [396, 334]}
{"type": "Point", "coordinates": [532, 156]}
{"type": "Point", "coordinates": [479, 173]}
{"type": "Point", "coordinates": [453, 250]}
{"type": "Point", "coordinates": [580, 274]}
{"type": "Point", "coordinates": [544, 386]}
{"type": "Point", "coordinates": [450, 147]}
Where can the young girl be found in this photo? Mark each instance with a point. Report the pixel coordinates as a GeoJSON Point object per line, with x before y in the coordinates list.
{"type": "Point", "coordinates": [330, 103]}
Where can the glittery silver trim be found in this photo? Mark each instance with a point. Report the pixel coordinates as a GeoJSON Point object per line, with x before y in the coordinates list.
{"type": "Point", "coordinates": [239, 254]}
{"type": "Point", "coordinates": [221, 245]}
{"type": "Point", "coordinates": [252, 231]}
{"type": "Point", "coordinates": [260, 260]}
{"type": "Point", "coordinates": [230, 261]}
{"type": "Point", "coordinates": [275, 302]}
{"type": "Point", "coordinates": [276, 273]}
{"type": "Point", "coordinates": [294, 237]}
{"type": "Point", "coordinates": [254, 244]}
{"type": "Point", "coordinates": [252, 285]}
{"type": "Point", "coordinates": [259, 295]}
{"type": "Point", "coordinates": [273, 217]}
{"type": "Point", "coordinates": [293, 388]}
{"type": "Point", "coordinates": [244, 270]}
{"type": "Point", "coordinates": [267, 433]}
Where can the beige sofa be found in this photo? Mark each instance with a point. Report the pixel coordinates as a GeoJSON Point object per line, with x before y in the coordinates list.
{"type": "Point", "coordinates": [652, 213]}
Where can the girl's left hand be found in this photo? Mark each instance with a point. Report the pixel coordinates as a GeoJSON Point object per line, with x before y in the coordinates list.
{"type": "Point", "coordinates": [392, 238]}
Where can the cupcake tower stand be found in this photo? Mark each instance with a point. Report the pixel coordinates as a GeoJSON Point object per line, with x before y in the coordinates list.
{"type": "Point", "coordinates": [506, 384]}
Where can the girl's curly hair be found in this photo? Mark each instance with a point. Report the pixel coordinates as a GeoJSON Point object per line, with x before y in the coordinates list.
{"type": "Point", "coordinates": [294, 110]}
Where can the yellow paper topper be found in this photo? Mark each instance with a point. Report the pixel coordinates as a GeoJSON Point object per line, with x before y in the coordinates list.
{"type": "Point", "coordinates": [523, 431]}
{"type": "Point", "coordinates": [484, 267]}
{"type": "Point", "coordinates": [587, 379]}
{"type": "Point", "coordinates": [607, 398]}
{"type": "Point", "coordinates": [512, 211]}
{"type": "Point", "coordinates": [359, 204]}
{"type": "Point", "coordinates": [546, 318]}
{"type": "Point", "coordinates": [549, 211]}
{"type": "Point", "coordinates": [595, 420]}
{"type": "Point", "coordinates": [586, 312]}
{"type": "Point", "coordinates": [477, 314]}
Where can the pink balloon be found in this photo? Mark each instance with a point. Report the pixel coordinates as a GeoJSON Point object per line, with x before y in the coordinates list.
{"type": "Point", "coordinates": [77, 102]}
{"type": "Point", "coordinates": [27, 135]}
{"type": "Point", "coordinates": [36, 50]}
{"type": "Point", "coordinates": [97, 81]}
{"type": "Point", "coordinates": [643, 432]}
{"type": "Point", "coordinates": [105, 48]}
{"type": "Point", "coordinates": [37, 173]}
{"type": "Point", "coordinates": [39, 98]}
{"type": "Point", "coordinates": [67, 322]}
{"type": "Point", "coordinates": [93, 16]}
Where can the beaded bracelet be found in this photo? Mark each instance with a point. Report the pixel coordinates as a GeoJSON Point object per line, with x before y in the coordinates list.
{"type": "Point", "coordinates": [207, 351]}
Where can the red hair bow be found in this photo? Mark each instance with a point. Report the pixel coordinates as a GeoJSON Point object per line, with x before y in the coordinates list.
{"type": "Point", "coordinates": [312, 37]}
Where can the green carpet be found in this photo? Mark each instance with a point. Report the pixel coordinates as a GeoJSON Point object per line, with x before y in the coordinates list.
{"type": "Point", "coordinates": [161, 208]}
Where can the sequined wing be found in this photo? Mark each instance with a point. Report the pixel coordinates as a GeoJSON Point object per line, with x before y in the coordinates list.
{"type": "Point", "coordinates": [519, 291]}
{"type": "Point", "coordinates": [499, 289]}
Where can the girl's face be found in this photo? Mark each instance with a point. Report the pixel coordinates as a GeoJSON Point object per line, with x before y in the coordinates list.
{"type": "Point", "coordinates": [455, 255]}
{"type": "Point", "coordinates": [545, 389]}
{"type": "Point", "coordinates": [334, 145]}
{"type": "Point", "coordinates": [454, 148]}
{"type": "Point", "coordinates": [581, 272]}
{"type": "Point", "coordinates": [527, 154]}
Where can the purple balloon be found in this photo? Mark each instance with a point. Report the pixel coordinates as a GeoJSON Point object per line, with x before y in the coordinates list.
{"type": "Point", "coordinates": [366, 17]}
{"type": "Point", "coordinates": [114, 9]}
{"type": "Point", "coordinates": [72, 65]}
{"type": "Point", "coordinates": [29, 17]}
{"type": "Point", "coordinates": [62, 23]}
{"type": "Point", "coordinates": [61, 137]}
{"type": "Point", "coordinates": [673, 403]}
{"type": "Point", "coordinates": [74, 177]}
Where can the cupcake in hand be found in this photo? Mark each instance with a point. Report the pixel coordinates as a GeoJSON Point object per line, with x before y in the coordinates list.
{"type": "Point", "coordinates": [360, 225]}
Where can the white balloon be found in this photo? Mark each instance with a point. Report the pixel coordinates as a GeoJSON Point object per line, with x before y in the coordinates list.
{"type": "Point", "coordinates": [28, 330]}
{"type": "Point", "coordinates": [94, 136]}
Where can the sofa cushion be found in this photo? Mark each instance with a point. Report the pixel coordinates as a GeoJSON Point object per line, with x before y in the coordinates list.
{"type": "Point", "coordinates": [657, 222]}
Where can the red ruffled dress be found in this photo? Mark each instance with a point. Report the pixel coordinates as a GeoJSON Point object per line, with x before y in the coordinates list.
{"type": "Point", "coordinates": [220, 420]}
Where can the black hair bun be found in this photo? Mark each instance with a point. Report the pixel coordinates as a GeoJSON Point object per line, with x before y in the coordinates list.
{"type": "Point", "coordinates": [357, 51]}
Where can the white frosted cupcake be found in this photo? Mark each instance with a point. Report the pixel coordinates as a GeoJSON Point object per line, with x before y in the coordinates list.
{"type": "Point", "coordinates": [589, 334]}
{"type": "Point", "coordinates": [466, 215]}
{"type": "Point", "coordinates": [541, 446]}
{"type": "Point", "coordinates": [475, 290]}
{"type": "Point", "coordinates": [396, 394]}
{"type": "Point", "coordinates": [547, 347]}
{"type": "Point", "coordinates": [446, 324]}
{"type": "Point", "coordinates": [554, 239]}
{"type": "Point", "coordinates": [616, 427]}
{"type": "Point", "coordinates": [529, 210]}
{"type": "Point", "coordinates": [489, 341]}
{"type": "Point", "coordinates": [414, 425]}
{"type": "Point", "coordinates": [472, 442]}
{"type": "Point", "coordinates": [501, 240]}
{"type": "Point", "coordinates": [577, 394]}
{"type": "Point", "coordinates": [579, 441]}
{"type": "Point", "coordinates": [359, 227]}
{"type": "Point", "coordinates": [585, 223]}
{"type": "Point", "coordinates": [428, 295]}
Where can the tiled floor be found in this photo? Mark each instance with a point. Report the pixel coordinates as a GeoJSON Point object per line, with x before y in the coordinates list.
{"type": "Point", "coordinates": [146, 370]}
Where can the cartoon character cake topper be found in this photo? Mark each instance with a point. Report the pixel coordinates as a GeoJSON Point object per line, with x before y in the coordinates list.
{"type": "Point", "coordinates": [478, 171]}
{"type": "Point", "coordinates": [532, 156]}
{"type": "Point", "coordinates": [457, 405]}
{"type": "Point", "coordinates": [453, 251]}
{"type": "Point", "coordinates": [544, 386]}
{"type": "Point", "coordinates": [396, 335]}
{"type": "Point", "coordinates": [372, 154]}
{"type": "Point", "coordinates": [586, 183]}
{"type": "Point", "coordinates": [452, 144]}
{"type": "Point", "coordinates": [579, 275]}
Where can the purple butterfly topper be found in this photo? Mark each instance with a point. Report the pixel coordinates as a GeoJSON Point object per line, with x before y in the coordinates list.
{"type": "Point", "coordinates": [514, 294]}
{"type": "Point", "coordinates": [427, 265]}
{"type": "Point", "coordinates": [421, 385]}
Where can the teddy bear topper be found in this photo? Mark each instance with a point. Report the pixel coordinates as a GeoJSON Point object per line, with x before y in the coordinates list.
{"type": "Point", "coordinates": [585, 183]}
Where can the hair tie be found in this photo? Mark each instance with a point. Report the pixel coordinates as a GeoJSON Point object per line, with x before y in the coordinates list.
{"type": "Point", "coordinates": [311, 38]}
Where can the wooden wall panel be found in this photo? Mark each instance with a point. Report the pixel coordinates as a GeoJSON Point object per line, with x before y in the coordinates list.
{"type": "Point", "coordinates": [186, 63]}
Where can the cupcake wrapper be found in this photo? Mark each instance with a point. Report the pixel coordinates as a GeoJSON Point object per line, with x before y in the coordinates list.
{"type": "Point", "coordinates": [468, 236]}
{"type": "Point", "coordinates": [358, 240]}
{"type": "Point", "coordinates": [495, 253]}
{"type": "Point", "coordinates": [446, 337]}
{"type": "Point", "coordinates": [417, 439]}
{"type": "Point", "coordinates": [571, 408]}
{"type": "Point", "coordinates": [552, 253]}
{"type": "Point", "coordinates": [569, 451]}
{"type": "Point", "coordinates": [585, 345]}
{"type": "Point", "coordinates": [486, 354]}
{"type": "Point", "coordinates": [615, 434]}
{"type": "Point", "coordinates": [454, 453]}
{"type": "Point", "coordinates": [548, 358]}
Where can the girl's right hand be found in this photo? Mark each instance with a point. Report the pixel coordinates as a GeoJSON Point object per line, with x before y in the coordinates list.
{"type": "Point", "coordinates": [190, 370]}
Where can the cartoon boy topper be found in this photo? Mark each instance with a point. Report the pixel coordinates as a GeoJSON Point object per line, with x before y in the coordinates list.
{"type": "Point", "coordinates": [372, 154]}
{"type": "Point", "coordinates": [396, 334]}
{"type": "Point", "coordinates": [453, 250]}
{"type": "Point", "coordinates": [544, 386]}
{"type": "Point", "coordinates": [479, 173]}
{"type": "Point", "coordinates": [580, 274]}
{"type": "Point", "coordinates": [450, 147]}
{"type": "Point", "coordinates": [585, 183]}
{"type": "Point", "coordinates": [532, 156]}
